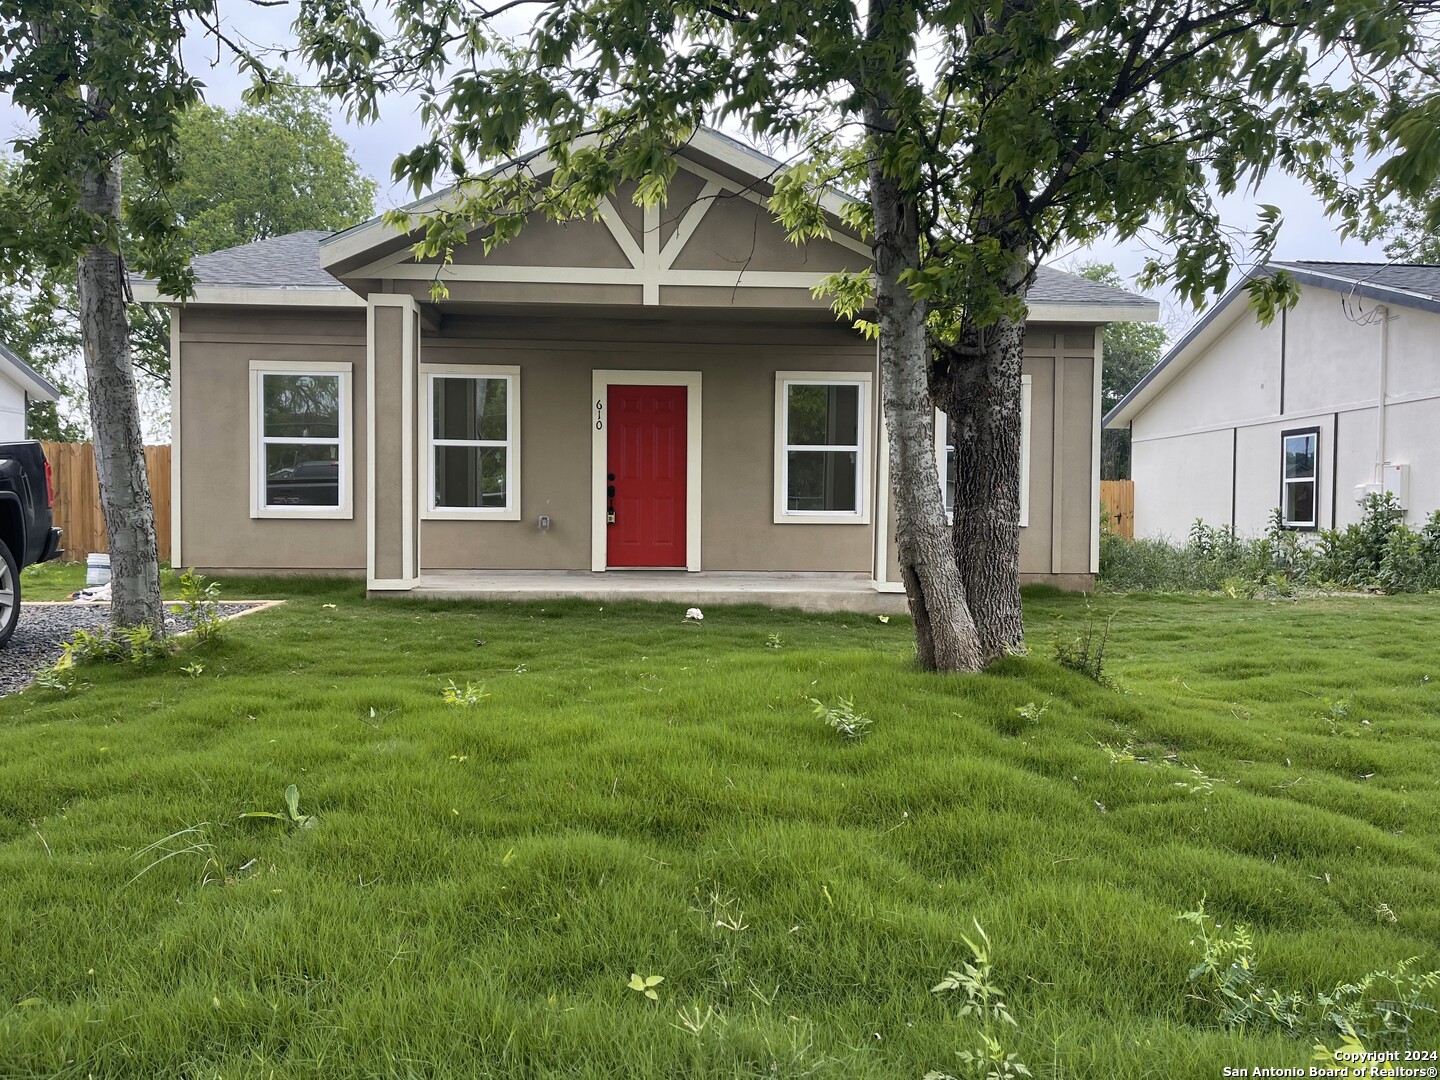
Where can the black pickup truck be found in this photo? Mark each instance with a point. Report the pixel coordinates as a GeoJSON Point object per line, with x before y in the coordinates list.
{"type": "Point", "coordinates": [27, 532]}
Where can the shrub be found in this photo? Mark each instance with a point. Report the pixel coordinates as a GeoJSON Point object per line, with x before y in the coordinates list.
{"type": "Point", "coordinates": [200, 601]}
{"type": "Point", "coordinates": [113, 645]}
{"type": "Point", "coordinates": [1379, 552]}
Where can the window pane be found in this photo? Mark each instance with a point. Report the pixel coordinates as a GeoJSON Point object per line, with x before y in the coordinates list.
{"type": "Point", "coordinates": [1300, 502]}
{"type": "Point", "coordinates": [301, 406]}
{"type": "Point", "coordinates": [470, 409]}
{"type": "Point", "coordinates": [1300, 457]}
{"type": "Point", "coordinates": [822, 480]}
{"type": "Point", "coordinates": [305, 475]}
{"type": "Point", "coordinates": [470, 476]}
{"type": "Point", "coordinates": [823, 415]}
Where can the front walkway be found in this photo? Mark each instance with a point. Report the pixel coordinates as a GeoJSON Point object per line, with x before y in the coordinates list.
{"type": "Point", "coordinates": [805, 592]}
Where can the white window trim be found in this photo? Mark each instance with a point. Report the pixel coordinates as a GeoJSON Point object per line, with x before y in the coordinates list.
{"type": "Point", "coordinates": [942, 438]}
{"type": "Point", "coordinates": [861, 515]}
{"type": "Point", "coordinates": [258, 370]}
{"type": "Point", "coordinates": [1313, 479]}
{"type": "Point", "coordinates": [511, 374]}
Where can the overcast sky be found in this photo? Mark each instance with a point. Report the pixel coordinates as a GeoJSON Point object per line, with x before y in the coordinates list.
{"type": "Point", "coordinates": [1307, 234]}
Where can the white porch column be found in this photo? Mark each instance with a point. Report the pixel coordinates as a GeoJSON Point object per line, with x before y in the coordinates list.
{"type": "Point", "coordinates": [392, 539]}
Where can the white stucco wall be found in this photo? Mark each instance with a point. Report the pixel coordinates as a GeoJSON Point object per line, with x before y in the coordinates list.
{"type": "Point", "coordinates": [1238, 379]}
{"type": "Point", "coordinates": [1230, 396]}
{"type": "Point", "coordinates": [12, 411]}
{"type": "Point", "coordinates": [1180, 478]}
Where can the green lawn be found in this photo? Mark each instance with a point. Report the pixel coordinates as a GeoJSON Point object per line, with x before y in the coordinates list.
{"type": "Point", "coordinates": [57, 580]}
{"type": "Point", "coordinates": [638, 794]}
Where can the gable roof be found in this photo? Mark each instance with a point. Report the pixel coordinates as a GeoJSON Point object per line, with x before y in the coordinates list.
{"type": "Point", "coordinates": [292, 263]}
{"type": "Point", "coordinates": [31, 381]}
{"type": "Point", "coordinates": [1412, 285]}
{"type": "Point", "coordinates": [708, 142]}
{"type": "Point", "coordinates": [300, 268]}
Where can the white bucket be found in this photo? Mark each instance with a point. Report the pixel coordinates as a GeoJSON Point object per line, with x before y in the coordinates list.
{"type": "Point", "coordinates": [97, 569]}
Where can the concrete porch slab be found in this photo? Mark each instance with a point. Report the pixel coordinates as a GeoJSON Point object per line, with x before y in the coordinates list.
{"type": "Point", "coordinates": [801, 591]}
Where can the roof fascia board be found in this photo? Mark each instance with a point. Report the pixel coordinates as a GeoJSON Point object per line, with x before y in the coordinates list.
{"type": "Point", "coordinates": [1048, 312]}
{"type": "Point", "coordinates": [146, 292]}
{"type": "Point", "coordinates": [361, 238]}
{"type": "Point", "coordinates": [752, 163]}
{"type": "Point", "coordinates": [259, 296]}
{"type": "Point", "coordinates": [31, 381]}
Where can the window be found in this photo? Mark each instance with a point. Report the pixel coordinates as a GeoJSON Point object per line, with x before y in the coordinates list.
{"type": "Point", "coordinates": [945, 456]}
{"type": "Point", "coordinates": [300, 416]}
{"type": "Point", "coordinates": [474, 444]}
{"type": "Point", "coordinates": [822, 421]}
{"type": "Point", "coordinates": [1299, 460]}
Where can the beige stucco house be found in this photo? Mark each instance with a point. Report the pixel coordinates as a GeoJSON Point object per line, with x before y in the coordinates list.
{"type": "Point", "coordinates": [1336, 398]}
{"type": "Point", "coordinates": [656, 389]}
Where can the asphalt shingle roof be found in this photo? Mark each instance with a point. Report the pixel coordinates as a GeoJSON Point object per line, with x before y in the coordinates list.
{"type": "Point", "coordinates": [1422, 279]}
{"type": "Point", "coordinates": [293, 261]}
{"type": "Point", "coordinates": [1058, 287]}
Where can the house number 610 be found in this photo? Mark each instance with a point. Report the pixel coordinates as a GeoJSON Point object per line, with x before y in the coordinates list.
{"type": "Point", "coordinates": [599, 424]}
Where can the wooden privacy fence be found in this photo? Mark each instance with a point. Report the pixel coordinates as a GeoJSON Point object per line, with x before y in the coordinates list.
{"type": "Point", "coordinates": [1118, 499]}
{"type": "Point", "coordinates": [77, 497]}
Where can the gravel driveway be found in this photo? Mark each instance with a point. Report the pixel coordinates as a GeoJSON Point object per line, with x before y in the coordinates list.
{"type": "Point", "coordinates": [43, 628]}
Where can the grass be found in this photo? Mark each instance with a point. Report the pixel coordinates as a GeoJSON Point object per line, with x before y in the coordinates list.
{"type": "Point", "coordinates": [630, 793]}
{"type": "Point", "coordinates": [57, 580]}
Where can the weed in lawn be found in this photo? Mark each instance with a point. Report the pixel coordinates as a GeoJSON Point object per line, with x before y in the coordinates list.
{"type": "Point", "coordinates": [646, 984]}
{"type": "Point", "coordinates": [1085, 653]}
{"type": "Point", "coordinates": [983, 1004]}
{"type": "Point", "coordinates": [1337, 714]}
{"type": "Point", "coordinates": [842, 718]}
{"type": "Point", "coordinates": [193, 840]}
{"type": "Point", "coordinates": [695, 1020]}
{"type": "Point", "coordinates": [467, 696]}
{"type": "Point", "coordinates": [1031, 713]}
{"type": "Point", "coordinates": [1378, 1010]}
{"type": "Point", "coordinates": [292, 813]}
{"type": "Point", "coordinates": [774, 641]}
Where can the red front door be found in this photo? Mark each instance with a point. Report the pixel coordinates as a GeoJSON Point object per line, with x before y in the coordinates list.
{"type": "Point", "coordinates": [646, 475]}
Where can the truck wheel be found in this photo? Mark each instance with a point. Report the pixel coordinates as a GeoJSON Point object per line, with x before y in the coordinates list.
{"type": "Point", "coordinates": [9, 594]}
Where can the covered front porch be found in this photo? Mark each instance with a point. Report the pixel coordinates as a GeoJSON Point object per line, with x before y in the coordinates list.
{"type": "Point", "coordinates": [818, 592]}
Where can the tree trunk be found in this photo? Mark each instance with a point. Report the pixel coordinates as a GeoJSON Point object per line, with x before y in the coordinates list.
{"type": "Point", "coordinates": [115, 412]}
{"type": "Point", "coordinates": [982, 398]}
{"type": "Point", "coordinates": [945, 638]}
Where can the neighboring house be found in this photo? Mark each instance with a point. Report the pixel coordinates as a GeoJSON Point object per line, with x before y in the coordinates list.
{"type": "Point", "coordinates": [1339, 396]}
{"type": "Point", "coordinates": [20, 384]}
{"type": "Point", "coordinates": [656, 388]}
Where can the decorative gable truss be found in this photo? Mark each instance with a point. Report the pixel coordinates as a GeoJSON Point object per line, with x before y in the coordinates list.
{"type": "Point", "coordinates": [713, 234]}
